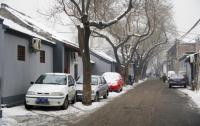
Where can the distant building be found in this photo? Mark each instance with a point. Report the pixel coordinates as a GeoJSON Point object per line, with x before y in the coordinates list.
{"type": "Point", "coordinates": [101, 62]}
{"type": "Point", "coordinates": [178, 50]}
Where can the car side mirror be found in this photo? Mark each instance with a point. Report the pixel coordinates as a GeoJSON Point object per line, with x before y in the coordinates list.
{"type": "Point", "coordinates": [31, 82]}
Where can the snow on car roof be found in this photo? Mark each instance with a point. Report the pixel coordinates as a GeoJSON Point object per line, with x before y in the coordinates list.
{"type": "Point", "coordinates": [57, 74]}
{"type": "Point", "coordinates": [111, 75]}
{"type": "Point", "coordinates": [95, 76]}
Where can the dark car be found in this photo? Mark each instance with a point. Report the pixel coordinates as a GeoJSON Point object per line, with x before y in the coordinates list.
{"type": "Point", "coordinates": [177, 80]}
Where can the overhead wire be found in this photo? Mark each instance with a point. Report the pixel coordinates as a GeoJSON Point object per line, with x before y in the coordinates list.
{"type": "Point", "coordinates": [183, 36]}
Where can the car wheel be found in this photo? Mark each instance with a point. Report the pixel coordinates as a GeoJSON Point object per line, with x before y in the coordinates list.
{"type": "Point", "coordinates": [121, 89]}
{"type": "Point", "coordinates": [185, 86]}
{"type": "Point", "coordinates": [170, 85]}
{"type": "Point", "coordinates": [28, 107]}
{"type": "Point", "coordinates": [75, 99]}
{"type": "Point", "coordinates": [65, 104]}
{"type": "Point", "coordinates": [106, 95]}
{"type": "Point", "coordinates": [96, 98]}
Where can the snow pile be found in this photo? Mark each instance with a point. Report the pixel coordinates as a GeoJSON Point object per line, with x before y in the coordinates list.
{"type": "Point", "coordinates": [74, 112]}
{"type": "Point", "coordinates": [8, 122]}
{"type": "Point", "coordinates": [194, 95]}
{"type": "Point", "coordinates": [16, 111]}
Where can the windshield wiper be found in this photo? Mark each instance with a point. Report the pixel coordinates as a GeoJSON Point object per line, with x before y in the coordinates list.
{"type": "Point", "coordinates": [79, 82]}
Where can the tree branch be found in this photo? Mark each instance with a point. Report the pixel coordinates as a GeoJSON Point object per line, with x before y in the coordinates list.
{"type": "Point", "coordinates": [110, 42]}
{"type": "Point", "coordinates": [71, 15]}
{"type": "Point", "coordinates": [76, 5]}
{"type": "Point", "coordinates": [102, 25]}
{"type": "Point", "coordinates": [83, 7]}
{"type": "Point", "coordinates": [88, 6]}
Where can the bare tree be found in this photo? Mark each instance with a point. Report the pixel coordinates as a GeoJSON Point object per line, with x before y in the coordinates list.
{"type": "Point", "coordinates": [137, 26]}
{"type": "Point", "coordinates": [89, 14]}
{"type": "Point", "coordinates": [147, 49]}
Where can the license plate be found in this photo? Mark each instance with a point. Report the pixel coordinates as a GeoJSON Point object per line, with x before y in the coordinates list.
{"type": "Point", "coordinates": [42, 101]}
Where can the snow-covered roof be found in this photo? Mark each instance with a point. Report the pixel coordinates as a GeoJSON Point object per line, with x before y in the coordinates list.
{"type": "Point", "coordinates": [38, 27]}
{"type": "Point", "coordinates": [103, 55]}
{"type": "Point", "coordinates": [12, 25]}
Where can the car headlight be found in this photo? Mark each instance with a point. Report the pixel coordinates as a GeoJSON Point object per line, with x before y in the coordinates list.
{"type": "Point", "coordinates": [57, 94]}
{"type": "Point", "coordinates": [31, 93]}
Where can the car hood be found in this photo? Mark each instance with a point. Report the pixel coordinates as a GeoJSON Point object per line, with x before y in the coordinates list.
{"type": "Point", "coordinates": [46, 88]}
{"type": "Point", "coordinates": [80, 87]}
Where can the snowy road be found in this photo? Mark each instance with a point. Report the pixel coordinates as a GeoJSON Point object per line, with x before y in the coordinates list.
{"type": "Point", "coordinates": [18, 116]}
{"type": "Point", "coordinates": [150, 104]}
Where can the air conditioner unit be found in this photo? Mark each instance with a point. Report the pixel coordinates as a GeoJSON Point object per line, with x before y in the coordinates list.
{"type": "Point", "coordinates": [36, 44]}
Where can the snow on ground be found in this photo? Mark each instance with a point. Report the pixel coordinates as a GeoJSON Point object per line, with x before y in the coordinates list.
{"type": "Point", "coordinates": [17, 116]}
{"type": "Point", "coordinates": [194, 95]}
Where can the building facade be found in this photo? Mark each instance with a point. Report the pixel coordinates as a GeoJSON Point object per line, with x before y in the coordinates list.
{"type": "Point", "coordinates": [21, 63]}
{"type": "Point", "coordinates": [177, 51]}
{"type": "Point", "coordinates": [101, 62]}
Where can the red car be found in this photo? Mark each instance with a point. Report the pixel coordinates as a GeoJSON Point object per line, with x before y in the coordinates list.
{"type": "Point", "coordinates": [114, 80]}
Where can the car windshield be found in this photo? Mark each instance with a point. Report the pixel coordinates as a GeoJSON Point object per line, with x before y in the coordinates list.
{"type": "Point", "coordinates": [177, 76]}
{"type": "Point", "coordinates": [52, 79]}
{"type": "Point", "coordinates": [111, 77]}
{"type": "Point", "coordinates": [94, 80]}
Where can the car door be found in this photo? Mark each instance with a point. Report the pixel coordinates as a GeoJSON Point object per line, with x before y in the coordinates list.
{"type": "Point", "coordinates": [71, 88]}
{"type": "Point", "coordinates": [105, 86]}
{"type": "Point", "coordinates": [101, 86]}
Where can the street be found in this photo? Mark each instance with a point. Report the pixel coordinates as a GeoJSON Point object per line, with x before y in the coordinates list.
{"type": "Point", "coordinates": [150, 104]}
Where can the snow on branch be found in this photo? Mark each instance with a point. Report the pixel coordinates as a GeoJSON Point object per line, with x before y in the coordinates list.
{"type": "Point", "coordinates": [102, 25]}
{"type": "Point", "coordinates": [154, 46]}
{"type": "Point", "coordinates": [103, 36]}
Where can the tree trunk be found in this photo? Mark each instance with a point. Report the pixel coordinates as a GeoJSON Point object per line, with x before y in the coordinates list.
{"type": "Point", "coordinates": [143, 72]}
{"type": "Point", "coordinates": [137, 74]}
{"type": "Point", "coordinates": [126, 68]}
{"type": "Point", "coordinates": [122, 71]}
{"type": "Point", "coordinates": [83, 37]}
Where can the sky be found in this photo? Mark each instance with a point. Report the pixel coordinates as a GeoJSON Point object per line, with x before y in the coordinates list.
{"type": "Point", "coordinates": [185, 12]}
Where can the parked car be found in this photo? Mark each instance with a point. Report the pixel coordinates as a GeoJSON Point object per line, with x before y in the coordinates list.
{"type": "Point", "coordinates": [51, 89]}
{"type": "Point", "coordinates": [177, 80]}
{"type": "Point", "coordinates": [170, 73]}
{"type": "Point", "coordinates": [98, 85]}
{"type": "Point", "coordinates": [114, 80]}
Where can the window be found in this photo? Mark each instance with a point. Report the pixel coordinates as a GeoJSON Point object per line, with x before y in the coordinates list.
{"type": "Point", "coordinates": [21, 53]}
{"type": "Point", "coordinates": [103, 81]}
{"type": "Point", "coordinates": [42, 56]}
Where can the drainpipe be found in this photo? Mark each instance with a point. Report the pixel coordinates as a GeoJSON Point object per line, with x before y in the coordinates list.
{"type": "Point", "coordinates": [1, 61]}
{"type": "Point", "coordinates": [0, 100]}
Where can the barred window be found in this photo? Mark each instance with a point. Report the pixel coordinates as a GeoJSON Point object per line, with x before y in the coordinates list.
{"type": "Point", "coordinates": [21, 53]}
{"type": "Point", "coordinates": [42, 56]}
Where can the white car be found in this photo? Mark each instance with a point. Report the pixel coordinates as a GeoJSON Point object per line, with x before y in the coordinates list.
{"type": "Point", "coordinates": [51, 89]}
{"type": "Point", "coordinates": [99, 88]}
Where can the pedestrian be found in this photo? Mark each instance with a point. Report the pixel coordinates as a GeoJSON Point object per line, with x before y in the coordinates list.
{"type": "Point", "coordinates": [164, 78]}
